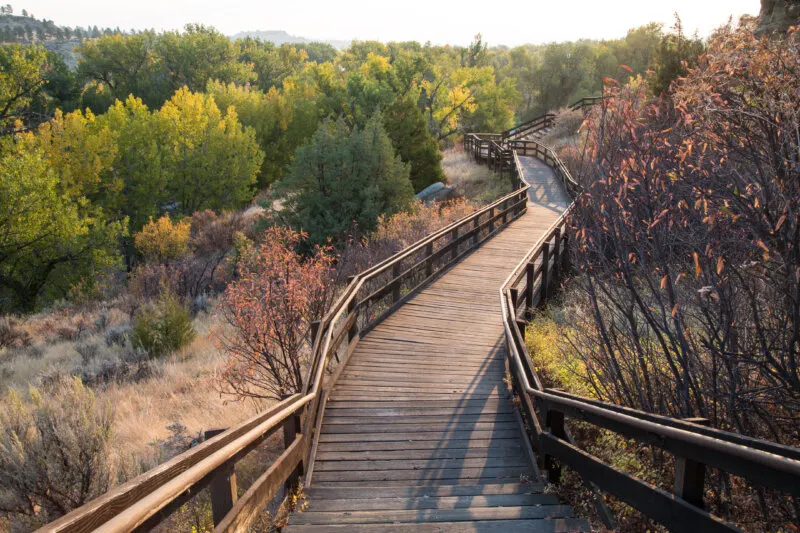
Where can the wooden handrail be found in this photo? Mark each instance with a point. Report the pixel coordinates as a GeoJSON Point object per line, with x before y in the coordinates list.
{"type": "Point", "coordinates": [531, 126]}
{"type": "Point", "coordinates": [167, 482]}
{"type": "Point", "coordinates": [585, 103]}
{"type": "Point", "coordinates": [694, 446]}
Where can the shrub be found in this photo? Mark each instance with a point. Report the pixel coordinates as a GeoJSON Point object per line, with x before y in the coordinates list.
{"type": "Point", "coordinates": [54, 453]}
{"type": "Point", "coordinates": [163, 326]}
{"type": "Point", "coordinates": [117, 335]}
{"type": "Point", "coordinates": [162, 240]}
{"type": "Point", "coordinates": [10, 334]}
{"type": "Point", "coordinates": [269, 310]}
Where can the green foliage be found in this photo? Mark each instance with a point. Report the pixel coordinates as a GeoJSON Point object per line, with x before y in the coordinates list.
{"type": "Point", "coordinates": [406, 127]}
{"type": "Point", "coordinates": [210, 161]}
{"type": "Point", "coordinates": [282, 120]}
{"type": "Point", "coordinates": [676, 55]}
{"type": "Point", "coordinates": [121, 65]}
{"type": "Point", "coordinates": [163, 326]}
{"type": "Point", "coordinates": [55, 453]}
{"type": "Point", "coordinates": [50, 240]}
{"type": "Point", "coordinates": [22, 82]}
{"type": "Point", "coordinates": [153, 66]}
{"type": "Point", "coordinates": [342, 177]}
{"type": "Point", "coordinates": [198, 55]}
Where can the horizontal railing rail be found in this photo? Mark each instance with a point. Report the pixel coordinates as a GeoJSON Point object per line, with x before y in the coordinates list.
{"type": "Point", "coordinates": [585, 103]}
{"type": "Point", "coordinates": [695, 447]}
{"type": "Point", "coordinates": [529, 127]}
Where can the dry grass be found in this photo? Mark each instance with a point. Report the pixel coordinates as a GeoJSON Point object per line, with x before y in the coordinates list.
{"type": "Point", "coordinates": [475, 182]}
{"type": "Point", "coordinates": [180, 391]}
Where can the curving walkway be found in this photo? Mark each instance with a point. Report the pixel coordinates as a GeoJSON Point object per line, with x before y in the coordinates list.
{"type": "Point", "coordinates": [401, 449]}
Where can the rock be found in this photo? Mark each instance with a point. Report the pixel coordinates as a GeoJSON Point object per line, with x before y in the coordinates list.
{"type": "Point", "coordinates": [778, 15]}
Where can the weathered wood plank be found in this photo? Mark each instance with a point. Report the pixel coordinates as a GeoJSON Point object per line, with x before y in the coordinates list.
{"type": "Point", "coordinates": [436, 515]}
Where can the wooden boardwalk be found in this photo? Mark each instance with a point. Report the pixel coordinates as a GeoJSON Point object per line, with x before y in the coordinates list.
{"type": "Point", "coordinates": [419, 433]}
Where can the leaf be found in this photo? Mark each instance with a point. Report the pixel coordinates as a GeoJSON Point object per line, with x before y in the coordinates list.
{"type": "Point", "coordinates": [697, 269]}
{"type": "Point", "coordinates": [664, 282]}
{"type": "Point", "coordinates": [675, 311]}
{"type": "Point", "coordinates": [626, 67]}
{"type": "Point", "coordinates": [720, 265]}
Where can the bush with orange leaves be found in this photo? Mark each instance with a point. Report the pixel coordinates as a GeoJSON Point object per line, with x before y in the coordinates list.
{"type": "Point", "coordinates": [688, 246]}
{"type": "Point", "coordinates": [269, 310]}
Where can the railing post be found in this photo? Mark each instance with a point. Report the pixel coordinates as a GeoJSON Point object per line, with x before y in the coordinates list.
{"type": "Point", "coordinates": [291, 427]}
{"type": "Point", "coordinates": [504, 207]}
{"type": "Point", "coordinates": [565, 264]}
{"type": "Point", "coordinates": [454, 241]}
{"type": "Point", "coordinates": [396, 282]}
{"type": "Point", "coordinates": [351, 308]}
{"type": "Point", "coordinates": [491, 220]}
{"type": "Point", "coordinates": [475, 225]}
{"type": "Point", "coordinates": [544, 279]}
{"type": "Point", "coordinates": [223, 486]}
{"type": "Point", "coordinates": [514, 294]}
{"type": "Point", "coordinates": [557, 255]}
{"type": "Point", "coordinates": [555, 424]}
{"type": "Point", "coordinates": [429, 260]}
{"type": "Point", "coordinates": [530, 273]}
{"type": "Point", "coordinates": [690, 475]}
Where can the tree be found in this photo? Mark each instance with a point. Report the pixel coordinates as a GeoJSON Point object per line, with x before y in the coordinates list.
{"type": "Point", "coordinates": [136, 182]}
{"type": "Point", "coordinates": [676, 55]}
{"type": "Point", "coordinates": [209, 160]}
{"type": "Point", "coordinates": [22, 80]}
{"type": "Point", "coordinates": [342, 177]}
{"type": "Point", "coordinates": [405, 124]}
{"type": "Point", "coordinates": [122, 65]}
{"type": "Point", "coordinates": [49, 241]}
{"type": "Point", "coordinates": [283, 119]}
{"type": "Point", "coordinates": [270, 309]}
{"type": "Point", "coordinates": [199, 54]}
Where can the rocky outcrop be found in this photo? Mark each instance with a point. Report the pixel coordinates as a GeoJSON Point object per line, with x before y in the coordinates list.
{"type": "Point", "coordinates": [778, 15]}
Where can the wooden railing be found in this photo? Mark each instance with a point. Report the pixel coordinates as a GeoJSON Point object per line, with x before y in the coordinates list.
{"type": "Point", "coordinates": [529, 127]}
{"type": "Point", "coordinates": [694, 446]}
{"type": "Point", "coordinates": [142, 503]}
{"type": "Point", "coordinates": [584, 104]}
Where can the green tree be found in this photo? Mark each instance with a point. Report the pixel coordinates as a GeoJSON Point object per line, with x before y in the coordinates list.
{"type": "Point", "coordinates": [342, 177]}
{"type": "Point", "coordinates": [198, 55]}
{"type": "Point", "coordinates": [405, 124]}
{"type": "Point", "coordinates": [675, 56]}
{"type": "Point", "coordinates": [22, 80]}
{"type": "Point", "coordinates": [49, 241]}
{"type": "Point", "coordinates": [120, 65]}
{"type": "Point", "coordinates": [271, 65]}
{"type": "Point", "coordinates": [209, 159]}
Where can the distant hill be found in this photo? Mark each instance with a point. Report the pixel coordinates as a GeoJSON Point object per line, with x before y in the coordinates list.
{"type": "Point", "coordinates": [26, 29]}
{"type": "Point", "coordinates": [280, 37]}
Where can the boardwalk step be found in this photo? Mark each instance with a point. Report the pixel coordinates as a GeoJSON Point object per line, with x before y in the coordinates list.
{"type": "Point", "coordinates": [423, 464]}
{"type": "Point", "coordinates": [317, 492]}
{"type": "Point", "coordinates": [560, 525]}
{"type": "Point", "coordinates": [428, 476]}
{"type": "Point", "coordinates": [434, 515]}
{"type": "Point", "coordinates": [427, 502]}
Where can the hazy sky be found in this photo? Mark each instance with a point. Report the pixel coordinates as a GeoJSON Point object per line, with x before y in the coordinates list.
{"type": "Point", "coordinates": [451, 21]}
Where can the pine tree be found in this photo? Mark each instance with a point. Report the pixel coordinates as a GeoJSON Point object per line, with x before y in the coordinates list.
{"type": "Point", "coordinates": [405, 124]}
{"type": "Point", "coordinates": [344, 176]}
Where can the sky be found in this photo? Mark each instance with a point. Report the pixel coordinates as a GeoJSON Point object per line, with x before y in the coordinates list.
{"type": "Point", "coordinates": [441, 22]}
